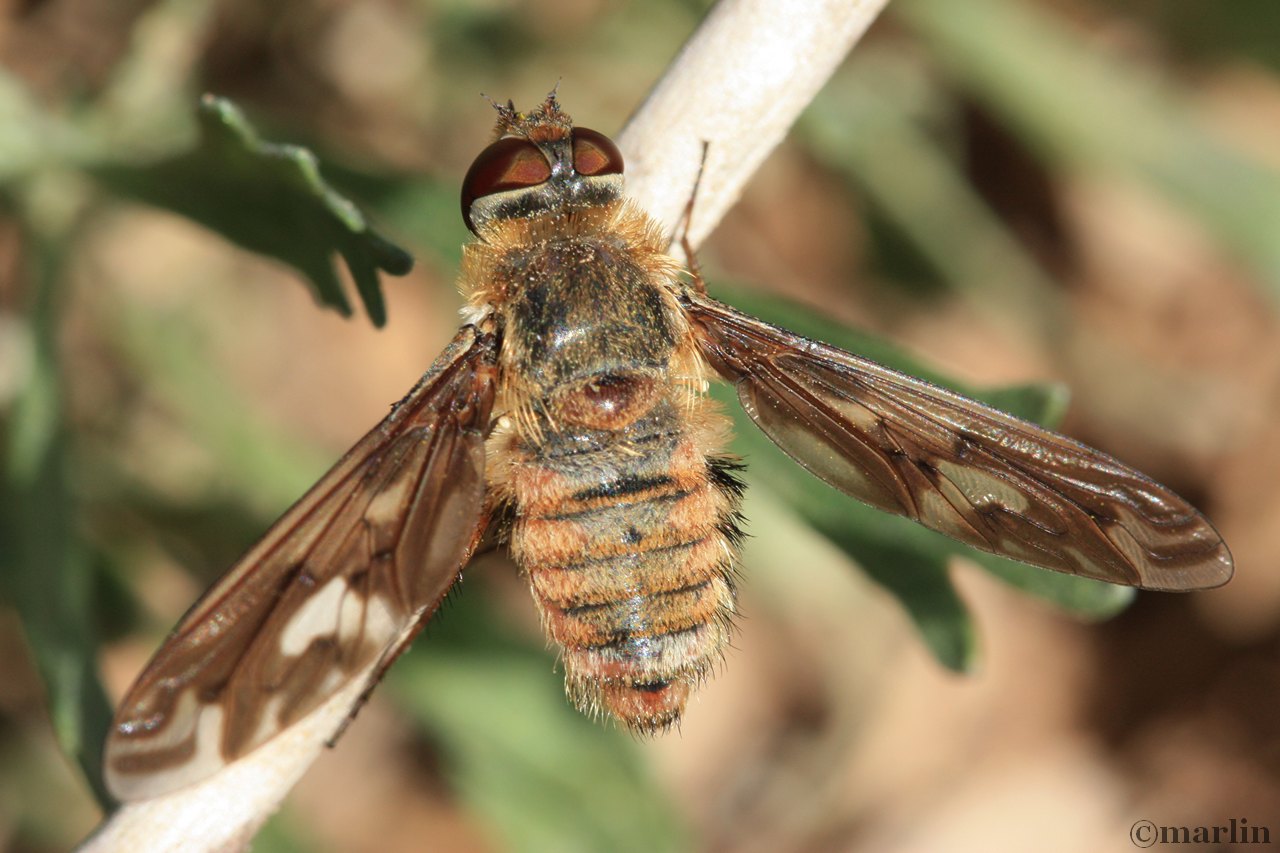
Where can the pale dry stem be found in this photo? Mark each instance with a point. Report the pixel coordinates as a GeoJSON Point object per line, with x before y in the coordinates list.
{"type": "Point", "coordinates": [737, 86]}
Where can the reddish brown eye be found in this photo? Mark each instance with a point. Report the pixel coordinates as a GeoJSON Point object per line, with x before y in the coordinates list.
{"type": "Point", "coordinates": [508, 164]}
{"type": "Point", "coordinates": [594, 153]}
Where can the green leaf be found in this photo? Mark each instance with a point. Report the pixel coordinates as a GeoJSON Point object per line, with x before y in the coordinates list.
{"type": "Point", "coordinates": [262, 464]}
{"type": "Point", "coordinates": [1086, 598]}
{"type": "Point", "coordinates": [1082, 108]}
{"type": "Point", "coordinates": [905, 558]}
{"type": "Point", "coordinates": [1043, 403]}
{"type": "Point", "coordinates": [541, 774]}
{"type": "Point", "coordinates": [1226, 32]}
{"type": "Point", "coordinates": [269, 198]}
{"type": "Point", "coordinates": [428, 209]}
{"type": "Point", "coordinates": [872, 124]}
{"type": "Point", "coordinates": [284, 833]}
{"type": "Point", "coordinates": [23, 129]}
{"type": "Point", "coordinates": [45, 566]}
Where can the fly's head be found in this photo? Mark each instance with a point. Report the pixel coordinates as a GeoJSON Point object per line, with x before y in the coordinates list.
{"type": "Point", "coordinates": [540, 165]}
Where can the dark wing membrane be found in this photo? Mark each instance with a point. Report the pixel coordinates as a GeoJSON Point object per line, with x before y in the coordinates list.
{"type": "Point", "coordinates": [964, 469]}
{"type": "Point", "coordinates": [333, 590]}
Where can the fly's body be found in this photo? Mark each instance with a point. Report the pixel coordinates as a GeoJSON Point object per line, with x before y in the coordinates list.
{"type": "Point", "coordinates": [623, 513]}
{"type": "Point", "coordinates": [568, 412]}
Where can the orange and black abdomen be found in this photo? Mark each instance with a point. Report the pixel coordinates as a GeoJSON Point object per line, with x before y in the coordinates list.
{"type": "Point", "coordinates": [628, 539]}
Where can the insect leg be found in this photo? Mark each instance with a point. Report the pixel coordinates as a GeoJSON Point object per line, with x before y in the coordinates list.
{"type": "Point", "coordinates": [695, 271]}
{"type": "Point", "coordinates": [380, 669]}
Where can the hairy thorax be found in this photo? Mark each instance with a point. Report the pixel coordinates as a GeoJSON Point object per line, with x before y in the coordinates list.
{"type": "Point", "coordinates": [623, 511]}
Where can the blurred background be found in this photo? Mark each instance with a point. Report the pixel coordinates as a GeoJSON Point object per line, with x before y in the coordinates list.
{"type": "Point", "coordinates": [1037, 197]}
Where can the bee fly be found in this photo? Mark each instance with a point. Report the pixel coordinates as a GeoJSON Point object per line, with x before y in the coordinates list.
{"type": "Point", "coordinates": [569, 412]}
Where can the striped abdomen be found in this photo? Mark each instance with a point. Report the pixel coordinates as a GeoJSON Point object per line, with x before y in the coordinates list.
{"type": "Point", "coordinates": [628, 537]}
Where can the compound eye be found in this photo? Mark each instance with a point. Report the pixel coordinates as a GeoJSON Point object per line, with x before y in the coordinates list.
{"type": "Point", "coordinates": [594, 153]}
{"type": "Point", "coordinates": [508, 164]}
